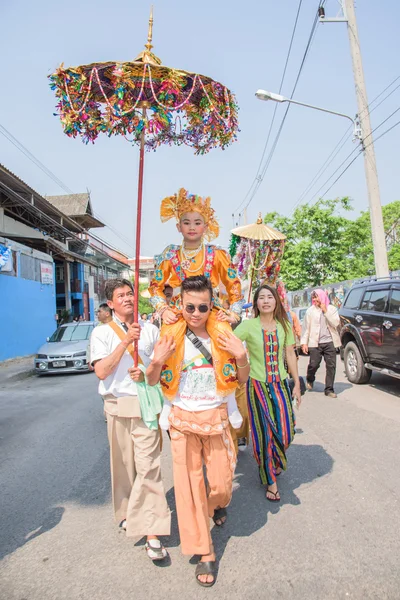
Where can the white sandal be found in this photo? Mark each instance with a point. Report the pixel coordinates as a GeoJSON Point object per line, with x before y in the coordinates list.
{"type": "Point", "coordinates": [155, 550]}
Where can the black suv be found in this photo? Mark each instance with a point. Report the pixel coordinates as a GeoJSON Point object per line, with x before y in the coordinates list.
{"type": "Point", "coordinates": [370, 329]}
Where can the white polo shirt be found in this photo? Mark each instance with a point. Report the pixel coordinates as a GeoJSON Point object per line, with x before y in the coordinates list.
{"type": "Point", "coordinates": [119, 384]}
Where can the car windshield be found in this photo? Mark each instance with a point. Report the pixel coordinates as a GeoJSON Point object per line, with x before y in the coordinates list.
{"type": "Point", "coordinates": [72, 334]}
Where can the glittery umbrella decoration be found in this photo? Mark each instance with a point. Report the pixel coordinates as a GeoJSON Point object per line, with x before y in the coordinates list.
{"type": "Point", "coordinates": [147, 103]}
{"type": "Point", "coordinates": [257, 250]}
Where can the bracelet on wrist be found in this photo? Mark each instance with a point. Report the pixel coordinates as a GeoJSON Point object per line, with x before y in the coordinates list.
{"type": "Point", "coordinates": [243, 366]}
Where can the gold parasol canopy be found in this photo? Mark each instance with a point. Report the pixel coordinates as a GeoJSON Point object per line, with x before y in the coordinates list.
{"type": "Point", "coordinates": [258, 231]}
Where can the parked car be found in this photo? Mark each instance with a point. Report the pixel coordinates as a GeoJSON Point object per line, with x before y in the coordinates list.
{"type": "Point", "coordinates": [66, 350]}
{"type": "Point", "coordinates": [370, 329]}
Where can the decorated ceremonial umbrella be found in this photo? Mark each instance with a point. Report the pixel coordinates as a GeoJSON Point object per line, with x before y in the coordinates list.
{"type": "Point", "coordinates": [147, 103]}
{"type": "Point", "coordinates": [256, 251]}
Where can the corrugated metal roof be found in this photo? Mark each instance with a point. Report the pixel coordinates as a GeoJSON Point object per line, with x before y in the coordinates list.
{"type": "Point", "coordinates": [72, 204]}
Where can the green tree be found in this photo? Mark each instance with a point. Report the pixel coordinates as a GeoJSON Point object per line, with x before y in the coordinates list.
{"type": "Point", "coordinates": [323, 246]}
{"type": "Point", "coordinates": [391, 223]}
{"type": "Point", "coordinates": [144, 303]}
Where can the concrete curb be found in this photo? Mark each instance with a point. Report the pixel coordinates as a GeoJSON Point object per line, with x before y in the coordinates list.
{"type": "Point", "coordinates": [18, 376]}
{"type": "Point", "coordinates": [16, 369]}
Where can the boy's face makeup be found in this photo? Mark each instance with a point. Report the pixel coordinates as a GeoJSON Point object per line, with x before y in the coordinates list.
{"type": "Point", "coordinates": [193, 227]}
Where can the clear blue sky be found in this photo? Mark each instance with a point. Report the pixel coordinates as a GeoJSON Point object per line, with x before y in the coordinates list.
{"type": "Point", "coordinates": [241, 44]}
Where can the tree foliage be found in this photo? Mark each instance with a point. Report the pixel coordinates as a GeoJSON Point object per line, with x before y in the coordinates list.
{"type": "Point", "coordinates": [324, 246]}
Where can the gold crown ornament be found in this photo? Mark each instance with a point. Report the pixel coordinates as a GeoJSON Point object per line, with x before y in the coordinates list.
{"type": "Point", "coordinates": [183, 202]}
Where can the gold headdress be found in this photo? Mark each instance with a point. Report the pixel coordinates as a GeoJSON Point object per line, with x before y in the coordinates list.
{"type": "Point", "coordinates": [183, 202]}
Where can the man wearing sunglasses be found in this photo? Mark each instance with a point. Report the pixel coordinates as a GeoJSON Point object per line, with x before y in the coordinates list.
{"type": "Point", "coordinates": [211, 366]}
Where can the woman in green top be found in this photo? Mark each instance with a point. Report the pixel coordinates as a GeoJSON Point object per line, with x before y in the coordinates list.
{"type": "Point", "coordinates": [269, 338]}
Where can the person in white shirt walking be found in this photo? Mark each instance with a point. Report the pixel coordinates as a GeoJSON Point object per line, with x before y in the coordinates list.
{"type": "Point", "coordinates": [320, 338]}
{"type": "Point", "coordinates": [138, 494]}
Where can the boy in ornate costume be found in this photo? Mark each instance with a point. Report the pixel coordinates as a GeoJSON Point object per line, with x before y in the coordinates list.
{"type": "Point", "coordinates": [196, 222]}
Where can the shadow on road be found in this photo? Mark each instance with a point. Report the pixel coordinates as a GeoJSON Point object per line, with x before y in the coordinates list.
{"type": "Point", "coordinates": [92, 489]}
{"type": "Point", "coordinates": [50, 519]}
{"type": "Point", "coordinates": [249, 509]}
{"type": "Point", "coordinates": [339, 386]}
{"type": "Point", "coordinates": [384, 383]}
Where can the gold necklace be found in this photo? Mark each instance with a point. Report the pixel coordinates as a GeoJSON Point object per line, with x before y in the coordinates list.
{"type": "Point", "coordinates": [188, 260]}
{"type": "Point", "coordinates": [191, 253]}
{"type": "Point", "coordinates": [189, 256]}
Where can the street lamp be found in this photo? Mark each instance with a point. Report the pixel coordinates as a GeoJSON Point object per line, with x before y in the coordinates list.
{"type": "Point", "coordinates": [378, 232]}
{"type": "Point", "coordinates": [264, 95]}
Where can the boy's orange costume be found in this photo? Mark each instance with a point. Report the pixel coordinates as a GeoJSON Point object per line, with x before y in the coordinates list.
{"type": "Point", "coordinates": [172, 267]}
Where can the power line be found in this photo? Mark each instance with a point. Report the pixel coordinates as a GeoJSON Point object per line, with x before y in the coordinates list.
{"type": "Point", "coordinates": [387, 131]}
{"type": "Point", "coordinates": [261, 176]}
{"type": "Point", "coordinates": [15, 142]}
{"type": "Point", "coordinates": [8, 135]}
{"type": "Point", "coordinates": [354, 159]}
{"type": "Point", "coordinates": [323, 168]}
{"type": "Point", "coordinates": [333, 154]}
{"type": "Point", "coordinates": [380, 124]}
{"type": "Point", "coordinates": [275, 108]}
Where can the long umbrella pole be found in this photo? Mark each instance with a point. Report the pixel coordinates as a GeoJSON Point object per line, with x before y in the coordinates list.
{"type": "Point", "coordinates": [138, 234]}
{"type": "Point", "coordinates": [250, 289]}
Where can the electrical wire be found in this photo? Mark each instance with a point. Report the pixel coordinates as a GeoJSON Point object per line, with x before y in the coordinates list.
{"type": "Point", "coordinates": [277, 137]}
{"type": "Point", "coordinates": [9, 136]}
{"type": "Point", "coordinates": [275, 108]}
{"type": "Point", "coordinates": [354, 159]}
{"type": "Point", "coordinates": [333, 154]}
{"type": "Point", "coordinates": [15, 142]}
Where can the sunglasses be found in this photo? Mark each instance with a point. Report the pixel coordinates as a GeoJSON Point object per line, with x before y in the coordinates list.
{"type": "Point", "coordinates": [190, 308]}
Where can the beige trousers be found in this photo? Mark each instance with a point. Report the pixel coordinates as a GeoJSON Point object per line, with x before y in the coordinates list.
{"type": "Point", "coordinates": [241, 400]}
{"type": "Point", "coordinates": [211, 444]}
{"type": "Point", "coordinates": [137, 490]}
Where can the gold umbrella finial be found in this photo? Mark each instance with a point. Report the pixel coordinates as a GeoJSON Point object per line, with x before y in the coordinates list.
{"type": "Point", "coordinates": [149, 45]}
{"type": "Point", "coordinates": [147, 56]}
{"type": "Point", "coordinates": [259, 220]}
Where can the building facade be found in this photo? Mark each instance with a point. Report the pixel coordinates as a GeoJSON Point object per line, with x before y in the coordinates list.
{"type": "Point", "coordinates": [49, 264]}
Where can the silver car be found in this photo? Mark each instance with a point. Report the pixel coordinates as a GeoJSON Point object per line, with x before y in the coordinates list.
{"type": "Point", "coordinates": [66, 351]}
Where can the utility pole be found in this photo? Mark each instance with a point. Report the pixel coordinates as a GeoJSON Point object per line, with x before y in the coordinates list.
{"type": "Point", "coordinates": [245, 216]}
{"type": "Point", "coordinates": [371, 173]}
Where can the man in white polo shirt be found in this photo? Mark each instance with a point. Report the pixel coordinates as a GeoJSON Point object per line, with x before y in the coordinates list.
{"type": "Point", "coordinates": [138, 494]}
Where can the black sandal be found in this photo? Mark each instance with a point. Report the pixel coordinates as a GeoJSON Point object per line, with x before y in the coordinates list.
{"type": "Point", "coordinates": [275, 494]}
{"type": "Point", "coordinates": [219, 513]}
{"type": "Point", "coordinates": [205, 568]}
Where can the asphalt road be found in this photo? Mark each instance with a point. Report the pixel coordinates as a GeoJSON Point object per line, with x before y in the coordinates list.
{"type": "Point", "coordinates": [334, 535]}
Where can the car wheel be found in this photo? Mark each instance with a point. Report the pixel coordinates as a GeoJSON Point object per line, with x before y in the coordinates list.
{"type": "Point", "coordinates": [354, 365]}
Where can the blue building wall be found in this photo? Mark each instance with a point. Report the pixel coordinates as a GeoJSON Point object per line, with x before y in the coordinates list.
{"type": "Point", "coordinates": [92, 316]}
{"type": "Point", "coordinates": [27, 315]}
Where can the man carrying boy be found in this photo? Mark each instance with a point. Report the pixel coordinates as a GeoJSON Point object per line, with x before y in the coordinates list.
{"type": "Point", "coordinates": [198, 420]}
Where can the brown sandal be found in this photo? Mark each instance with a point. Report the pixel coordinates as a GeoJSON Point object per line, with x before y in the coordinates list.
{"type": "Point", "coordinates": [276, 495]}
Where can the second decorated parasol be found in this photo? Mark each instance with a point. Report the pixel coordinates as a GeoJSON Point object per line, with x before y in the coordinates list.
{"type": "Point", "coordinates": [148, 102]}
{"type": "Point", "coordinates": [257, 250]}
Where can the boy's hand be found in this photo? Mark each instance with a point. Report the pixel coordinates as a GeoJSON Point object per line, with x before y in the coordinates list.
{"type": "Point", "coordinates": [228, 317]}
{"type": "Point", "coordinates": [164, 348]}
{"type": "Point", "coordinates": [230, 343]}
{"type": "Point", "coordinates": [169, 317]}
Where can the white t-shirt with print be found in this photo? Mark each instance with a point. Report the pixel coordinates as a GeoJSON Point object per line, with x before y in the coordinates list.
{"type": "Point", "coordinates": [198, 387]}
